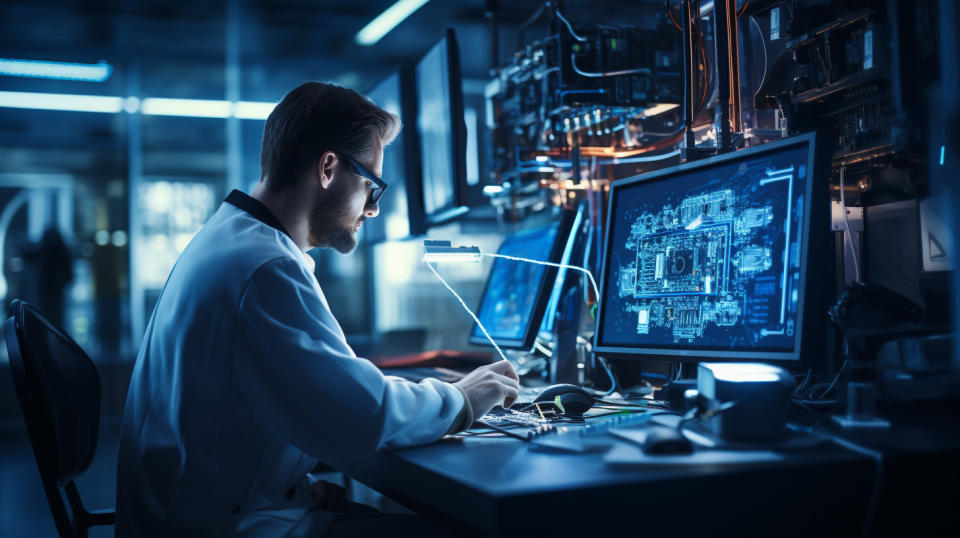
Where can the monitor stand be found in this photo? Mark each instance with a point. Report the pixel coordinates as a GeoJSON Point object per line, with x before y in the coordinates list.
{"type": "Point", "coordinates": [861, 402]}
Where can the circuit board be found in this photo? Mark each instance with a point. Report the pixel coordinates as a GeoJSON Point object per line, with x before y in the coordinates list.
{"type": "Point", "coordinates": [709, 258]}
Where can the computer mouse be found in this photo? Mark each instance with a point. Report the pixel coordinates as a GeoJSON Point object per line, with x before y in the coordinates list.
{"type": "Point", "coordinates": [575, 400]}
{"type": "Point", "coordinates": [663, 440]}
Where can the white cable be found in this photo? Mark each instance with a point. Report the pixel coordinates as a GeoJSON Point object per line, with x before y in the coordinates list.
{"type": "Point", "coordinates": [569, 26]}
{"type": "Point", "coordinates": [660, 157]}
{"type": "Point", "coordinates": [596, 290]}
{"type": "Point", "coordinates": [467, 308]}
{"type": "Point", "coordinates": [846, 227]}
{"type": "Point", "coordinates": [613, 380]}
{"type": "Point", "coordinates": [588, 74]}
{"type": "Point", "coordinates": [763, 45]}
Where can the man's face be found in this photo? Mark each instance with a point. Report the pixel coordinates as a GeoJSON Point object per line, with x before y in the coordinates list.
{"type": "Point", "coordinates": [342, 208]}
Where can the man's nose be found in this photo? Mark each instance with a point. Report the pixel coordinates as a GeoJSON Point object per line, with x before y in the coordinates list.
{"type": "Point", "coordinates": [371, 210]}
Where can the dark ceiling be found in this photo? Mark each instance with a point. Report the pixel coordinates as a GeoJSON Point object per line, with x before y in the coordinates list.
{"type": "Point", "coordinates": [180, 49]}
{"type": "Point", "coordinates": [181, 46]}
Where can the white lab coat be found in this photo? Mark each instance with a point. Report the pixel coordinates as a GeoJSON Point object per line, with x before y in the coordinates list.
{"type": "Point", "coordinates": [244, 382]}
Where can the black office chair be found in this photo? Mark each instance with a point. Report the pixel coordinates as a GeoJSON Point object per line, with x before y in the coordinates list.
{"type": "Point", "coordinates": [59, 392]}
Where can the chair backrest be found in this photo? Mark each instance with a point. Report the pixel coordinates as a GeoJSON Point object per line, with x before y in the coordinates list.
{"type": "Point", "coordinates": [59, 392]}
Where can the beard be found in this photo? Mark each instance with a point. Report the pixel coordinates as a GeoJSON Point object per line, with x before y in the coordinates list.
{"type": "Point", "coordinates": [331, 225]}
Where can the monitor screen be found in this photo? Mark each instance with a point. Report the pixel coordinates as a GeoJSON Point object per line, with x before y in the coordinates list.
{"type": "Point", "coordinates": [516, 293]}
{"type": "Point", "coordinates": [394, 221]}
{"type": "Point", "coordinates": [708, 259]}
{"type": "Point", "coordinates": [442, 131]}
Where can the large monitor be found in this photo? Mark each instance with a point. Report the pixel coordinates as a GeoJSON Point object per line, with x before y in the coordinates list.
{"type": "Point", "coordinates": [401, 212]}
{"type": "Point", "coordinates": [724, 258]}
{"type": "Point", "coordinates": [443, 133]}
{"type": "Point", "coordinates": [516, 294]}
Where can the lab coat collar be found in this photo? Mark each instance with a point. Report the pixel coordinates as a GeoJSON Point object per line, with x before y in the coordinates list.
{"type": "Point", "coordinates": [261, 212]}
{"type": "Point", "coordinates": [257, 209]}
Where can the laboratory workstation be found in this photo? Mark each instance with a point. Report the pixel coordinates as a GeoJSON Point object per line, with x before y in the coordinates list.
{"type": "Point", "coordinates": [473, 268]}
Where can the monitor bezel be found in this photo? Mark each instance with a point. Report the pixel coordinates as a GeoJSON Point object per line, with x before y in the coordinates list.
{"type": "Point", "coordinates": [544, 290]}
{"type": "Point", "coordinates": [808, 335]}
{"type": "Point", "coordinates": [458, 134]}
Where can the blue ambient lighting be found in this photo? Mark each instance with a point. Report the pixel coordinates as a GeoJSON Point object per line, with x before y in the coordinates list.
{"type": "Point", "coordinates": [374, 31]}
{"type": "Point", "coordinates": [943, 150]}
{"type": "Point", "coordinates": [97, 72]}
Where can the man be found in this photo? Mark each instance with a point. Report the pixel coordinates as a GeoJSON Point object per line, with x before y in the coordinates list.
{"type": "Point", "coordinates": [245, 382]}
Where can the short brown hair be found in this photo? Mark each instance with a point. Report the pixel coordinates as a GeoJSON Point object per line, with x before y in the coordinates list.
{"type": "Point", "coordinates": [316, 117]}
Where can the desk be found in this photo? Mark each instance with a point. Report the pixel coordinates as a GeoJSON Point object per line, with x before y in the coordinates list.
{"type": "Point", "coordinates": [504, 487]}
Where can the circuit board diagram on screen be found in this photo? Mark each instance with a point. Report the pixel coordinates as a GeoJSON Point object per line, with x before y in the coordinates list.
{"type": "Point", "coordinates": [710, 260]}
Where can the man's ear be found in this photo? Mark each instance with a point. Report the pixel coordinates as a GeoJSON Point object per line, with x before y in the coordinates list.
{"type": "Point", "coordinates": [325, 168]}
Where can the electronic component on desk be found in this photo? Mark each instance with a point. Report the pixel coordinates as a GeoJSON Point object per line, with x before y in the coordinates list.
{"type": "Point", "coordinates": [757, 396]}
{"type": "Point", "coordinates": [512, 417]}
{"type": "Point", "coordinates": [719, 258]}
{"type": "Point", "coordinates": [588, 437]}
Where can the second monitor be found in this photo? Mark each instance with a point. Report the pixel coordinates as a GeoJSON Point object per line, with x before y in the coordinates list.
{"type": "Point", "coordinates": [517, 294]}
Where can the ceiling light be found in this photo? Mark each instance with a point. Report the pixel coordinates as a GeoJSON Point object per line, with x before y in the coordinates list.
{"type": "Point", "coordinates": [61, 101]}
{"type": "Point", "coordinates": [387, 21]}
{"type": "Point", "coordinates": [196, 108]}
{"type": "Point", "coordinates": [154, 106]}
{"type": "Point", "coordinates": [97, 72]}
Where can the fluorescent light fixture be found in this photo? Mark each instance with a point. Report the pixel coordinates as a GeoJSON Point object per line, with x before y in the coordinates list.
{"type": "Point", "coordinates": [444, 251]}
{"type": "Point", "coordinates": [251, 110]}
{"type": "Point", "coordinates": [97, 72]}
{"type": "Point", "coordinates": [61, 101]}
{"type": "Point", "coordinates": [370, 34]}
{"type": "Point", "coordinates": [194, 108]}
{"type": "Point", "coordinates": [131, 105]}
{"type": "Point", "coordinates": [156, 106]}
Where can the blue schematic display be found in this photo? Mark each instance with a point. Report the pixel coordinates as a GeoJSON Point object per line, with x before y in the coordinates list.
{"type": "Point", "coordinates": [508, 304]}
{"type": "Point", "coordinates": [709, 258]}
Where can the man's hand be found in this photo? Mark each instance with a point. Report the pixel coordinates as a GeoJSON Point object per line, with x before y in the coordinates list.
{"type": "Point", "coordinates": [328, 496]}
{"type": "Point", "coordinates": [490, 385]}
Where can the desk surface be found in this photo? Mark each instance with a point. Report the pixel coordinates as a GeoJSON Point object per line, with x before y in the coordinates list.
{"type": "Point", "coordinates": [505, 487]}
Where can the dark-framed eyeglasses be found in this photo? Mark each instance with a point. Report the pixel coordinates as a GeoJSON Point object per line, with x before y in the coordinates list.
{"type": "Point", "coordinates": [379, 185]}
